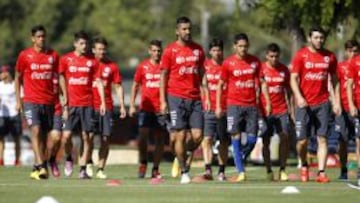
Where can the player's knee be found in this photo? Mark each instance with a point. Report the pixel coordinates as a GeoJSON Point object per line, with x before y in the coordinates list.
{"type": "Point", "coordinates": [208, 141]}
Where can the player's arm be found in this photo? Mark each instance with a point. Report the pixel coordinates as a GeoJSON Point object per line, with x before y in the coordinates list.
{"type": "Point", "coordinates": [294, 84]}
{"type": "Point", "coordinates": [204, 89]}
{"type": "Point", "coordinates": [336, 95]}
{"type": "Point", "coordinates": [134, 91]}
{"type": "Point", "coordinates": [164, 76]}
{"type": "Point", "coordinates": [265, 92]}
{"type": "Point", "coordinates": [350, 96]}
{"type": "Point", "coordinates": [120, 93]}
{"type": "Point", "coordinates": [289, 98]}
{"type": "Point", "coordinates": [219, 92]}
{"type": "Point", "coordinates": [18, 76]}
{"type": "Point", "coordinates": [100, 87]}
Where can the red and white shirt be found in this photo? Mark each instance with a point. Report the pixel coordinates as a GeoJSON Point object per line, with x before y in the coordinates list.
{"type": "Point", "coordinates": [278, 81]}
{"type": "Point", "coordinates": [354, 73]}
{"type": "Point", "coordinates": [148, 75]}
{"type": "Point", "coordinates": [242, 77]}
{"type": "Point", "coordinates": [343, 74]}
{"type": "Point", "coordinates": [213, 73]}
{"type": "Point", "coordinates": [110, 74]}
{"type": "Point", "coordinates": [184, 63]}
{"type": "Point", "coordinates": [313, 69]}
{"type": "Point", "coordinates": [37, 69]}
{"type": "Point", "coordinates": [80, 72]}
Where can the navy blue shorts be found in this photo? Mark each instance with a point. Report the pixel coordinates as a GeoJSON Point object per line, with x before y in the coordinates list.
{"type": "Point", "coordinates": [39, 114]}
{"type": "Point", "coordinates": [242, 119]}
{"type": "Point", "coordinates": [312, 120]}
{"type": "Point", "coordinates": [80, 117]}
{"type": "Point", "coordinates": [185, 113]}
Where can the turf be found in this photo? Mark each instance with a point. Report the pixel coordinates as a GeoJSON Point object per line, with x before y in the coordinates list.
{"type": "Point", "coordinates": [15, 186]}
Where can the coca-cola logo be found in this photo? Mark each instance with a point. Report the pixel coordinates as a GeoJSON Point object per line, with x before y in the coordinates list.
{"type": "Point", "coordinates": [316, 76]}
{"type": "Point", "coordinates": [187, 70]}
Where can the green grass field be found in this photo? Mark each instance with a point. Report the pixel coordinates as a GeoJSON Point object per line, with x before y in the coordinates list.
{"type": "Point", "coordinates": [15, 186]}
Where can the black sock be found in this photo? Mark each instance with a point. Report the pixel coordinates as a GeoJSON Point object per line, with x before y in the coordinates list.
{"type": "Point", "coordinates": [305, 164]}
{"type": "Point", "coordinates": [321, 171]}
{"type": "Point", "coordinates": [52, 159]}
{"type": "Point", "coordinates": [282, 168]}
{"type": "Point", "coordinates": [269, 171]}
{"type": "Point", "coordinates": [184, 171]}
{"type": "Point", "coordinates": [69, 158]}
{"type": "Point", "coordinates": [36, 167]}
{"type": "Point", "coordinates": [143, 162]}
{"type": "Point", "coordinates": [44, 165]}
{"type": "Point", "coordinates": [344, 170]}
{"type": "Point", "coordinates": [155, 168]}
{"type": "Point", "coordinates": [82, 168]}
{"type": "Point", "coordinates": [90, 162]}
{"type": "Point", "coordinates": [100, 169]}
{"type": "Point", "coordinates": [221, 168]}
{"type": "Point", "coordinates": [208, 167]}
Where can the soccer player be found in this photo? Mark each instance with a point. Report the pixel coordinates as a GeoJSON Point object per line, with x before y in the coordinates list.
{"type": "Point", "coordinates": [242, 74]}
{"type": "Point", "coordinates": [148, 77]}
{"type": "Point", "coordinates": [35, 69]}
{"type": "Point", "coordinates": [277, 78]}
{"type": "Point", "coordinates": [78, 71]}
{"type": "Point", "coordinates": [10, 119]}
{"type": "Point", "coordinates": [182, 73]}
{"type": "Point", "coordinates": [344, 123]}
{"type": "Point", "coordinates": [214, 127]}
{"type": "Point", "coordinates": [110, 75]}
{"type": "Point", "coordinates": [353, 95]}
{"type": "Point", "coordinates": [54, 142]}
{"type": "Point", "coordinates": [310, 69]}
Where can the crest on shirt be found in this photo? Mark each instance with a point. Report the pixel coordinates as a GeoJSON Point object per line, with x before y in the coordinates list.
{"type": "Point", "coordinates": [106, 72]}
{"type": "Point", "coordinates": [282, 74]}
{"type": "Point", "coordinates": [146, 67]}
{"type": "Point", "coordinates": [196, 52]}
{"type": "Point", "coordinates": [253, 65]}
{"type": "Point", "coordinates": [51, 60]}
{"type": "Point", "coordinates": [326, 59]}
{"type": "Point", "coordinates": [89, 63]}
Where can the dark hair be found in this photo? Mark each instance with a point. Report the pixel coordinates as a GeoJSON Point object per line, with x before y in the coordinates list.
{"type": "Point", "coordinates": [240, 36]}
{"type": "Point", "coordinates": [351, 44]}
{"type": "Point", "coordinates": [216, 43]}
{"type": "Point", "coordinates": [183, 19]}
{"type": "Point", "coordinates": [81, 35]}
{"type": "Point", "coordinates": [99, 40]}
{"type": "Point", "coordinates": [155, 42]}
{"type": "Point", "coordinates": [273, 47]}
{"type": "Point", "coordinates": [316, 29]}
{"type": "Point", "coordinates": [37, 28]}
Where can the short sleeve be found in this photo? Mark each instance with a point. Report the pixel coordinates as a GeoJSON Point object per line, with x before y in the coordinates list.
{"type": "Point", "coordinates": [224, 72]}
{"type": "Point", "coordinates": [202, 60]}
{"type": "Point", "coordinates": [333, 64]}
{"type": "Point", "coordinates": [96, 70]}
{"type": "Point", "coordinates": [20, 63]}
{"type": "Point", "coordinates": [352, 68]}
{"type": "Point", "coordinates": [117, 79]}
{"type": "Point", "coordinates": [62, 65]}
{"type": "Point", "coordinates": [296, 63]}
{"type": "Point", "coordinates": [165, 63]}
{"type": "Point", "coordinates": [138, 74]}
